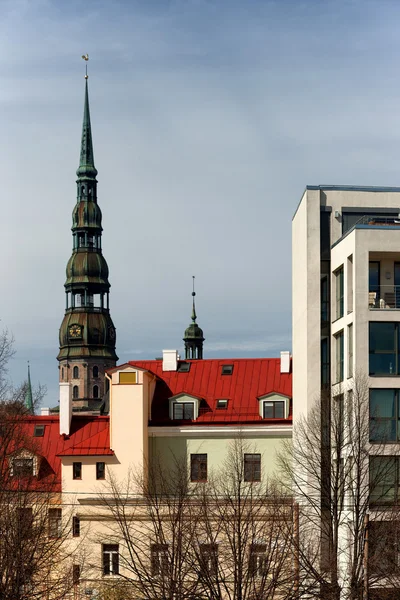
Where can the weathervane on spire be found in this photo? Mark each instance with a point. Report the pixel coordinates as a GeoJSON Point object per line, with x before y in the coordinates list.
{"type": "Point", "coordinates": [86, 58]}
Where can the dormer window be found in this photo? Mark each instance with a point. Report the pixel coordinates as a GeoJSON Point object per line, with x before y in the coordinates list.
{"type": "Point", "coordinates": [274, 406]}
{"type": "Point", "coordinates": [22, 467]}
{"type": "Point", "coordinates": [183, 410]}
{"type": "Point", "coordinates": [184, 407]}
{"type": "Point", "coordinates": [38, 431]}
{"type": "Point", "coordinates": [222, 403]}
{"type": "Point", "coordinates": [227, 370]}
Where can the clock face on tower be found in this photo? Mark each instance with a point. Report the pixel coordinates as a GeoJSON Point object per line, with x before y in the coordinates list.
{"type": "Point", "coordinates": [75, 331]}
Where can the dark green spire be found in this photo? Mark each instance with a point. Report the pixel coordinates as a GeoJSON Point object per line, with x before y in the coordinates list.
{"type": "Point", "coordinates": [28, 393]}
{"type": "Point", "coordinates": [193, 337]}
{"type": "Point", "coordinates": [86, 163]}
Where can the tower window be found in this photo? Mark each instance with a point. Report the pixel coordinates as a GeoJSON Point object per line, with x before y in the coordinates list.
{"type": "Point", "coordinates": [95, 391]}
{"type": "Point", "coordinates": [95, 371]}
{"type": "Point", "coordinates": [62, 373]}
{"type": "Point", "coordinates": [75, 373]}
{"type": "Point", "coordinates": [75, 392]}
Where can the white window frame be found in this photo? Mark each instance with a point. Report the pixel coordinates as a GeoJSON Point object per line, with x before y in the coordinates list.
{"type": "Point", "coordinates": [110, 554]}
{"type": "Point", "coordinates": [183, 399]}
{"type": "Point", "coordinates": [273, 397]}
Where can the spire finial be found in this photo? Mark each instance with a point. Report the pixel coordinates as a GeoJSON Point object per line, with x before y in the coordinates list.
{"type": "Point", "coordinates": [194, 316]}
{"type": "Point", "coordinates": [86, 58]}
{"type": "Point", "coordinates": [28, 393]}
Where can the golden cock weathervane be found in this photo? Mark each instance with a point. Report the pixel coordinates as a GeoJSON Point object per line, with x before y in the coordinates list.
{"type": "Point", "coordinates": [86, 58]}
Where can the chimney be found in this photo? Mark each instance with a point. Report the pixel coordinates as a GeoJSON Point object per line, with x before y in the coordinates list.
{"type": "Point", "coordinates": [65, 408]}
{"type": "Point", "coordinates": [170, 360]}
{"type": "Point", "coordinates": [285, 361]}
{"type": "Point", "coordinates": [44, 411]}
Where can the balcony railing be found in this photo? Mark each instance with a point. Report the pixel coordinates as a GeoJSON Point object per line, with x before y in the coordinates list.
{"type": "Point", "coordinates": [385, 297]}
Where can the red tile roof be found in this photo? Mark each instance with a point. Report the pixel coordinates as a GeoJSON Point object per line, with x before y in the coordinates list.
{"type": "Point", "coordinates": [90, 436]}
{"type": "Point", "coordinates": [251, 379]}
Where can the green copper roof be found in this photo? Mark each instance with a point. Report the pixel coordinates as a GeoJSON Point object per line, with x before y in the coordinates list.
{"type": "Point", "coordinates": [28, 393]}
{"type": "Point", "coordinates": [86, 162]}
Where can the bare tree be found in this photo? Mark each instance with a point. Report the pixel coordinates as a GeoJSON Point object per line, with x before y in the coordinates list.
{"type": "Point", "coordinates": [341, 484]}
{"type": "Point", "coordinates": [33, 561]}
{"type": "Point", "coordinates": [228, 538]}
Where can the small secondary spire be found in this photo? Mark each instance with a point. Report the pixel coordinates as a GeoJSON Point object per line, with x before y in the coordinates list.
{"type": "Point", "coordinates": [193, 336]}
{"type": "Point", "coordinates": [28, 393]}
{"type": "Point", "coordinates": [194, 316]}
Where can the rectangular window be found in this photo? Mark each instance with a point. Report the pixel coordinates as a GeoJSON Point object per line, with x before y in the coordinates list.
{"type": "Point", "coordinates": [22, 467]}
{"type": "Point", "coordinates": [324, 300]}
{"type": "Point", "coordinates": [222, 403]}
{"type": "Point", "coordinates": [100, 470]}
{"type": "Point", "coordinates": [198, 467]}
{"type": "Point", "coordinates": [76, 574]}
{"type": "Point", "coordinates": [383, 548]}
{"type": "Point", "coordinates": [183, 410]}
{"type": "Point", "coordinates": [384, 423]}
{"type": "Point", "coordinates": [208, 559]}
{"type": "Point", "coordinates": [383, 480]}
{"type": "Point", "coordinates": [274, 409]}
{"type": "Point", "coordinates": [24, 522]}
{"type": "Point", "coordinates": [339, 341]}
{"type": "Point", "coordinates": [76, 526]}
{"type": "Point", "coordinates": [77, 470]}
{"type": "Point", "coordinates": [384, 348]}
{"type": "Point", "coordinates": [374, 277]}
{"type": "Point", "coordinates": [159, 560]}
{"type": "Point", "coordinates": [349, 284]}
{"type": "Point", "coordinates": [38, 431]}
{"type": "Point", "coordinates": [339, 286]}
{"type": "Point", "coordinates": [258, 560]}
{"type": "Point", "coordinates": [54, 522]}
{"type": "Point", "coordinates": [252, 467]}
{"type": "Point", "coordinates": [110, 559]}
{"type": "Point", "coordinates": [227, 370]}
{"type": "Point", "coordinates": [325, 363]}
{"type": "Point", "coordinates": [127, 377]}
{"type": "Point", "coordinates": [350, 350]}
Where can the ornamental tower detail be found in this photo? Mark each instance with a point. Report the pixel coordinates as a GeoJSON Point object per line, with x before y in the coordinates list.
{"type": "Point", "coordinates": [87, 333]}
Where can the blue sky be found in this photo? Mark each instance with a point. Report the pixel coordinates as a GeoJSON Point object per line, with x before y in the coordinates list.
{"type": "Point", "coordinates": [209, 118]}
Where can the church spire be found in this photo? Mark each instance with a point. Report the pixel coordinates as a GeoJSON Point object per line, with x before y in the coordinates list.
{"type": "Point", "coordinates": [193, 337]}
{"type": "Point", "coordinates": [87, 333]}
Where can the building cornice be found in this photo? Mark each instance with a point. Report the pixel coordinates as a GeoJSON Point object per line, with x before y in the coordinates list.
{"type": "Point", "coordinates": [221, 431]}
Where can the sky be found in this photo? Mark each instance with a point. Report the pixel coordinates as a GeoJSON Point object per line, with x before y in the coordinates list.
{"type": "Point", "coordinates": [209, 118]}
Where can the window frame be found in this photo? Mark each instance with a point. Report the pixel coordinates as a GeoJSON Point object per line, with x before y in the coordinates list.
{"type": "Point", "coordinates": [275, 398]}
{"type": "Point", "coordinates": [339, 292]}
{"type": "Point", "coordinates": [339, 355]}
{"type": "Point", "coordinates": [388, 486]}
{"type": "Point", "coordinates": [19, 470]}
{"type": "Point", "coordinates": [75, 372]}
{"type": "Point", "coordinates": [77, 470]}
{"type": "Point", "coordinates": [98, 469]}
{"type": "Point", "coordinates": [350, 350]}
{"type": "Point", "coordinates": [160, 561]}
{"type": "Point", "coordinates": [376, 421]}
{"type": "Point", "coordinates": [208, 558]}
{"type": "Point", "coordinates": [76, 526]}
{"type": "Point", "coordinates": [252, 467]}
{"type": "Point", "coordinates": [258, 560]}
{"type": "Point", "coordinates": [110, 560]}
{"type": "Point", "coordinates": [198, 468]}
{"type": "Point", "coordinates": [54, 516]}
{"type": "Point", "coordinates": [183, 399]}
{"type": "Point", "coordinates": [382, 352]}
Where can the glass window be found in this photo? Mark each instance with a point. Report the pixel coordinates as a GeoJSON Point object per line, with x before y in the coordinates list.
{"type": "Point", "coordinates": [374, 277]}
{"type": "Point", "coordinates": [324, 300]}
{"type": "Point", "coordinates": [100, 470]}
{"type": "Point", "coordinates": [77, 470]}
{"type": "Point", "coordinates": [339, 356]}
{"type": "Point", "coordinates": [76, 574]}
{"type": "Point", "coordinates": [95, 391]}
{"type": "Point", "coordinates": [274, 409]}
{"type": "Point", "coordinates": [55, 522]}
{"type": "Point", "coordinates": [258, 560]}
{"type": "Point", "coordinates": [383, 479]}
{"type": "Point", "coordinates": [159, 559]}
{"type": "Point", "coordinates": [350, 350]}
{"type": "Point", "coordinates": [208, 559]}
{"type": "Point", "coordinates": [198, 467]}
{"type": "Point", "coordinates": [22, 467]}
{"type": "Point", "coordinates": [75, 373]}
{"type": "Point", "coordinates": [75, 392]}
{"type": "Point", "coordinates": [325, 363]}
{"type": "Point", "coordinates": [384, 415]}
{"type": "Point", "coordinates": [383, 348]}
{"type": "Point", "coordinates": [95, 372]}
{"type": "Point", "coordinates": [252, 467]}
{"type": "Point", "coordinates": [183, 410]}
{"type": "Point", "coordinates": [110, 559]}
{"type": "Point", "coordinates": [383, 557]}
{"type": "Point", "coordinates": [339, 283]}
{"type": "Point", "coordinates": [76, 526]}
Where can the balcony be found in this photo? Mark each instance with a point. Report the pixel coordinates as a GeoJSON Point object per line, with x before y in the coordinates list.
{"type": "Point", "coordinates": [384, 297]}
